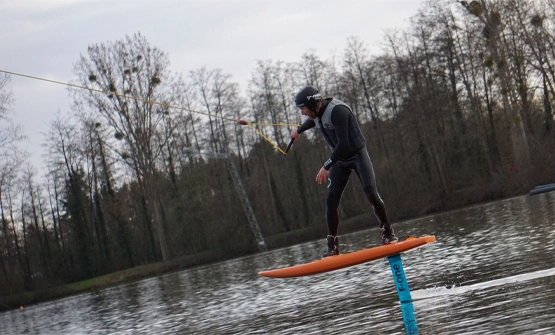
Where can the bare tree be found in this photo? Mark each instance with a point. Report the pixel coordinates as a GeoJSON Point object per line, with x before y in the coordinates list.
{"type": "Point", "coordinates": [494, 24]}
{"type": "Point", "coordinates": [32, 196]}
{"type": "Point", "coordinates": [10, 134]}
{"type": "Point", "coordinates": [137, 82]}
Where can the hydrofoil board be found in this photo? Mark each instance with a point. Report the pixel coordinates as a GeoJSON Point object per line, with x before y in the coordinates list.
{"type": "Point", "coordinates": [345, 260]}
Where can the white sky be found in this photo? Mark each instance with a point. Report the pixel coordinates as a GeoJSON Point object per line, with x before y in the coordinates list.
{"type": "Point", "coordinates": [44, 38]}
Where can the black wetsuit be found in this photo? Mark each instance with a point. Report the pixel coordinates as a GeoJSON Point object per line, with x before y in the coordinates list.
{"type": "Point", "coordinates": [348, 153]}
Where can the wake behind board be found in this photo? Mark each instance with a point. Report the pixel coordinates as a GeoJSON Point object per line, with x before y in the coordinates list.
{"type": "Point", "coordinates": [345, 260]}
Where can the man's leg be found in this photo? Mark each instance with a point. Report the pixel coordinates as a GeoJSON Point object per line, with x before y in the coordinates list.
{"type": "Point", "coordinates": [337, 181]}
{"type": "Point", "coordinates": [365, 172]}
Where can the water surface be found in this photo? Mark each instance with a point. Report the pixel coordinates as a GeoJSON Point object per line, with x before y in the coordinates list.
{"type": "Point", "coordinates": [492, 271]}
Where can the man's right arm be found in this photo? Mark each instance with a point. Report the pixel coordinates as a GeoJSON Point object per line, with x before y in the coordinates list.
{"type": "Point", "coordinates": [296, 133]}
{"type": "Point", "coordinates": [306, 126]}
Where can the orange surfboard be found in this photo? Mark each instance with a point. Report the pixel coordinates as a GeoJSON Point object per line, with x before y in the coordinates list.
{"type": "Point", "coordinates": [350, 259]}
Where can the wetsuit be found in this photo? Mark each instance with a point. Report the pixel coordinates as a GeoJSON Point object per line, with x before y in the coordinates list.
{"type": "Point", "coordinates": [341, 131]}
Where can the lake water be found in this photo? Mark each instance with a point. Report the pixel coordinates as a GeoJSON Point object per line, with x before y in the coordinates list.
{"type": "Point", "coordinates": [492, 271]}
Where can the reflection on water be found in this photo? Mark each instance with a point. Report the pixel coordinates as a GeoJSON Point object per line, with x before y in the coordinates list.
{"type": "Point", "coordinates": [492, 271]}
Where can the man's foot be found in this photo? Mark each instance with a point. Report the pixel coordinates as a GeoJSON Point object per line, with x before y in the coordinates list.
{"type": "Point", "coordinates": [387, 234]}
{"type": "Point", "coordinates": [333, 246]}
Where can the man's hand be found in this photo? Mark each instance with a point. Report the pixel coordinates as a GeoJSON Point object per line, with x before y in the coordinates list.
{"type": "Point", "coordinates": [295, 135]}
{"type": "Point", "coordinates": [322, 176]}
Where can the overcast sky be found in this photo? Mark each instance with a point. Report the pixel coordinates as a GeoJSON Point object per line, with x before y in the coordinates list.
{"type": "Point", "coordinates": [44, 38]}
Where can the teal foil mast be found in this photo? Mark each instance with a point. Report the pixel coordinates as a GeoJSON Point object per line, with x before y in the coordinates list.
{"type": "Point", "coordinates": [402, 287]}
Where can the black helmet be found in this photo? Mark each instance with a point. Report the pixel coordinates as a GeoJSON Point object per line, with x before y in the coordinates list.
{"type": "Point", "coordinates": [309, 97]}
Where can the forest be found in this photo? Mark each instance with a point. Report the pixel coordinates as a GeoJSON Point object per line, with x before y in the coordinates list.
{"type": "Point", "coordinates": [153, 165]}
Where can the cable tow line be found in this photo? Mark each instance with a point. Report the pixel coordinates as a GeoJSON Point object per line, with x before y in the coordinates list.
{"type": "Point", "coordinates": [241, 122]}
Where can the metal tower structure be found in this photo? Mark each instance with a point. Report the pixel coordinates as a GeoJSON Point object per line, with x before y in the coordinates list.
{"type": "Point", "coordinates": [245, 202]}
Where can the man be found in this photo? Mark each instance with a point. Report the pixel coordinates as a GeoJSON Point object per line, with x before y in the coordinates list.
{"type": "Point", "coordinates": [341, 131]}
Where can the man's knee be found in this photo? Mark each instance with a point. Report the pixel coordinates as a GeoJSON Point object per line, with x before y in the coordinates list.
{"type": "Point", "coordinates": [333, 200]}
{"type": "Point", "coordinates": [372, 195]}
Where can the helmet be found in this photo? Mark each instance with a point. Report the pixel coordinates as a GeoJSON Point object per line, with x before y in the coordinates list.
{"type": "Point", "coordinates": [309, 97]}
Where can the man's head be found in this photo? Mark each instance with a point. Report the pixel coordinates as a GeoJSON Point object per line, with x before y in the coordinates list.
{"type": "Point", "coordinates": [309, 101]}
